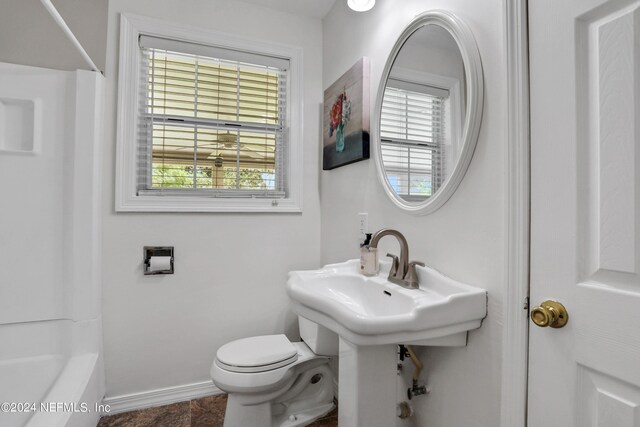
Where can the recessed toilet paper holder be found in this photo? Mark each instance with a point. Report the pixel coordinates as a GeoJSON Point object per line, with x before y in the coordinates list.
{"type": "Point", "coordinates": [161, 253]}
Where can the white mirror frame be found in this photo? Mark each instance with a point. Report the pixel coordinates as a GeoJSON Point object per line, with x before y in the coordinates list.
{"type": "Point", "coordinates": [474, 103]}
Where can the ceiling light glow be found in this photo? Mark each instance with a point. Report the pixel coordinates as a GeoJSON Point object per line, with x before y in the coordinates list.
{"type": "Point", "coordinates": [361, 5]}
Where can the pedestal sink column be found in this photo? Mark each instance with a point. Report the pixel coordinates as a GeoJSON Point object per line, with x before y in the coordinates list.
{"type": "Point", "coordinates": [367, 385]}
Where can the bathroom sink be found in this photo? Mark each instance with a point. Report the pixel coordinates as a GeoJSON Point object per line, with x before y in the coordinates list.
{"type": "Point", "coordinates": [373, 311]}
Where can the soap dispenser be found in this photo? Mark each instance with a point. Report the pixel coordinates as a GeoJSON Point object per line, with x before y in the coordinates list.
{"type": "Point", "coordinates": [368, 258]}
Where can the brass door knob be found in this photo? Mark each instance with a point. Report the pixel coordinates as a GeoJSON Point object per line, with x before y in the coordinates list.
{"type": "Point", "coordinates": [550, 313]}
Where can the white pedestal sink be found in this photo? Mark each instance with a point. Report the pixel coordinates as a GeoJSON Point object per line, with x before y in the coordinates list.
{"type": "Point", "coordinates": [372, 316]}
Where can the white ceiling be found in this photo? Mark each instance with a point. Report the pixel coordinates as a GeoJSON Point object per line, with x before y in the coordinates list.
{"type": "Point", "coordinates": [311, 8]}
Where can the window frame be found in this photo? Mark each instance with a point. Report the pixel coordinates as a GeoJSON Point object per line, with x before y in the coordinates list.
{"type": "Point", "coordinates": [127, 198]}
{"type": "Point", "coordinates": [455, 110]}
{"type": "Point", "coordinates": [398, 143]}
{"type": "Point", "coordinates": [456, 102]}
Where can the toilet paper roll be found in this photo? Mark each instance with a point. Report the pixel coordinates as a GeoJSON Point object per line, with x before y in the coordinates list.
{"type": "Point", "coordinates": [158, 263]}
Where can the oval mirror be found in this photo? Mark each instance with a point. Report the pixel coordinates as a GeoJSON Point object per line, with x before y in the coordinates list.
{"type": "Point", "coordinates": [428, 112]}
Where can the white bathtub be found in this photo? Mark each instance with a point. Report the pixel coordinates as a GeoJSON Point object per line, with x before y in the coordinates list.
{"type": "Point", "coordinates": [51, 368]}
{"type": "Point", "coordinates": [49, 379]}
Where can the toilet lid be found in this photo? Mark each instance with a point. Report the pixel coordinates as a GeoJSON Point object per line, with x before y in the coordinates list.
{"type": "Point", "coordinates": [257, 354]}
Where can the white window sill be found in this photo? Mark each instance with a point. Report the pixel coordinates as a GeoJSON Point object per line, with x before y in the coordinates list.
{"type": "Point", "coordinates": [206, 204]}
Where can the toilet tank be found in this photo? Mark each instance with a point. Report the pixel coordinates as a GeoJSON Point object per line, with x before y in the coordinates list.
{"type": "Point", "coordinates": [321, 340]}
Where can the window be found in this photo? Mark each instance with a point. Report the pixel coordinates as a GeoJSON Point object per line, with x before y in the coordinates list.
{"type": "Point", "coordinates": [212, 128]}
{"type": "Point", "coordinates": [412, 132]}
{"type": "Point", "coordinates": [209, 124]}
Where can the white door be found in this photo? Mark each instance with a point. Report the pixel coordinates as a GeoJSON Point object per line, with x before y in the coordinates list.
{"type": "Point", "coordinates": [585, 211]}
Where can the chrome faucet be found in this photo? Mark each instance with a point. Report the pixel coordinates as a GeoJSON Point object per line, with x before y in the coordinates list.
{"type": "Point", "coordinates": [402, 271]}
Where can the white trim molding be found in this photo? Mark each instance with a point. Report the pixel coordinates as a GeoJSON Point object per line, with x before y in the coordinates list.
{"type": "Point", "coordinates": [159, 397]}
{"type": "Point", "coordinates": [127, 199]}
{"type": "Point", "coordinates": [516, 292]}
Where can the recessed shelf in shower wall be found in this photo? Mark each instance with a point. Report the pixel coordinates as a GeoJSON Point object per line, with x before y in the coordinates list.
{"type": "Point", "coordinates": [19, 125]}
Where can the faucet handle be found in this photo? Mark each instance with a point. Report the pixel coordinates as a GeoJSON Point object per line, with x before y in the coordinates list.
{"type": "Point", "coordinates": [411, 278]}
{"type": "Point", "coordinates": [394, 265]}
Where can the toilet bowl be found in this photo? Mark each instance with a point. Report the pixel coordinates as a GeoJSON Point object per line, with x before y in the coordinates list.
{"type": "Point", "coordinates": [273, 382]}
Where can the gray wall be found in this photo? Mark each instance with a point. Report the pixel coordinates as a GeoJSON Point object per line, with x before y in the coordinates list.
{"type": "Point", "coordinates": [29, 36]}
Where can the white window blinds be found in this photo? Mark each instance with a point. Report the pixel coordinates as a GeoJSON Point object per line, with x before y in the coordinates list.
{"type": "Point", "coordinates": [212, 121]}
{"type": "Point", "coordinates": [412, 138]}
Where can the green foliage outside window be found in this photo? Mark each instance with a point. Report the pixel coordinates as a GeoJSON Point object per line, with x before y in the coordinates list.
{"type": "Point", "coordinates": [178, 176]}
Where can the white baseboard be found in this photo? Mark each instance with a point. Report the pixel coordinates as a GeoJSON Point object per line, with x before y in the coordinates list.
{"type": "Point", "coordinates": [159, 397]}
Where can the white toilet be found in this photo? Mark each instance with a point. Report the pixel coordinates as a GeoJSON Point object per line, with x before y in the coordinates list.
{"type": "Point", "coordinates": [273, 382]}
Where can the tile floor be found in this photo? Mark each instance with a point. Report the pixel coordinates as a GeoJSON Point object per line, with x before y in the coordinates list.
{"type": "Point", "coordinates": [204, 412]}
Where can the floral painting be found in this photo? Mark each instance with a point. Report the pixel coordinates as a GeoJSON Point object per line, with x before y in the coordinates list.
{"type": "Point", "coordinates": [346, 118]}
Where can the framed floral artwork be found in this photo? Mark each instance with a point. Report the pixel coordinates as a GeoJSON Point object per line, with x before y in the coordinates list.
{"type": "Point", "coordinates": [345, 121]}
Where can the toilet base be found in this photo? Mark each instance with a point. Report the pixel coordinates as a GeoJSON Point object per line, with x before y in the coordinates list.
{"type": "Point", "coordinates": [306, 417]}
{"type": "Point", "coordinates": [261, 415]}
{"type": "Point", "coordinates": [299, 404]}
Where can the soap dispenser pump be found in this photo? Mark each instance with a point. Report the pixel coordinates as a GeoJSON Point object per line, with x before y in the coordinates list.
{"type": "Point", "coordinates": [368, 258]}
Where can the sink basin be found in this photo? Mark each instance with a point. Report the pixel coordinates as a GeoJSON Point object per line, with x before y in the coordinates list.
{"type": "Point", "coordinates": [373, 311]}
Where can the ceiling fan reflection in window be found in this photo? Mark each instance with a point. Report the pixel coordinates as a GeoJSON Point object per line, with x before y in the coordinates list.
{"type": "Point", "coordinates": [227, 150]}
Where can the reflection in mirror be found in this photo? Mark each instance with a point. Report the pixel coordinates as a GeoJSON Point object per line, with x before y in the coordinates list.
{"type": "Point", "coordinates": [423, 109]}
